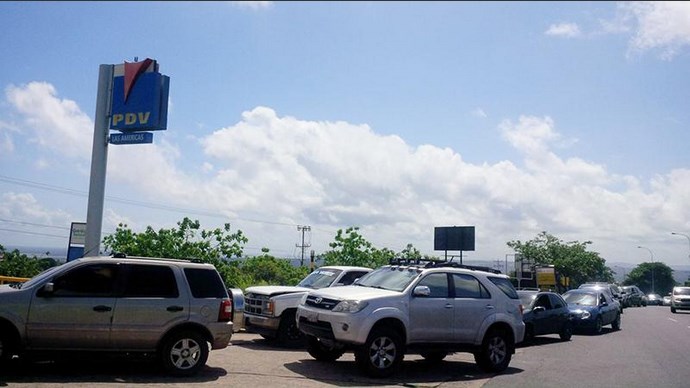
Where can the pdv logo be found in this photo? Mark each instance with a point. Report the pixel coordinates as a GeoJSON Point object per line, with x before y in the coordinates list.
{"type": "Point", "coordinates": [140, 97]}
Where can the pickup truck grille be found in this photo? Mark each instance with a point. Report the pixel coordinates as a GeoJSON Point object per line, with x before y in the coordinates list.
{"type": "Point", "coordinates": [255, 304]}
{"type": "Point", "coordinates": [321, 303]}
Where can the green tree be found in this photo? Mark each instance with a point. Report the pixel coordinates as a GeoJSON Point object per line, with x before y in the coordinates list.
{"type": "Point", "coordinates": [266, 269]}
{"type": "Point", "coordinates": [351, 248]}
{"type": "Point", "coordinates": [17, 264]}
{"type": "Point", "coordinates": [188, 241]}
{"type": "Point", "coordinates": [410, 252]}
{"type": "Point", "coordinates": [641, 276]}
{"type": "Point", "coordinates": [571, 259]}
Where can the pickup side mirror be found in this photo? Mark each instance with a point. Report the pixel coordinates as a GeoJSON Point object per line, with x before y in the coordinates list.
{"type": "Point", "coordinates": [421, 291]}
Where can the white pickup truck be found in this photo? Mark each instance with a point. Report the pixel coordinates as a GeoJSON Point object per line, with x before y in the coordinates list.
{"type": "Point", "coordinates": [270, 310]}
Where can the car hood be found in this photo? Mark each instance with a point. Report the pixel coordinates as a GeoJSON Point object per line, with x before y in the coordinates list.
{"type": "Point", "coordinates": [578, 307]}
{"type": "Point", "coordinates": [275, 290]}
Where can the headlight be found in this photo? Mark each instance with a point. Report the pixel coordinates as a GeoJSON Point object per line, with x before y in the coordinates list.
{"type": "Point", "coordinates": [350, 306]}
{"type": "Point", "coordinates": [303, 301]}
{"type": "Point", "coordinates": [585, 315]}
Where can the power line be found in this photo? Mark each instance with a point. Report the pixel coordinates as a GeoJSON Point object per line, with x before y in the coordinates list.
{"type": "Point", "coordinates": [150, 205]}
{"type": "Point", "coordinates": [32, 233]}
{"type": "Point", "coordinates": [34, 224]}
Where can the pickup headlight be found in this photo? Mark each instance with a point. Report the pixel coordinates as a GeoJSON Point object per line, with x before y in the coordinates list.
{"type": "Point", "coordinates": [350, 306]}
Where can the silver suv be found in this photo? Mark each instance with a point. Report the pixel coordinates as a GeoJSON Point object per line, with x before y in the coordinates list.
{"type": "Point", "coordinates": [429, 308]}
{"type": "Point", "coordinates": [173, 308]}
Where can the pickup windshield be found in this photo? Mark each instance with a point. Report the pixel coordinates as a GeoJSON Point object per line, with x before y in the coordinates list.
{"type": "Point", "coordinates": [321, 278]}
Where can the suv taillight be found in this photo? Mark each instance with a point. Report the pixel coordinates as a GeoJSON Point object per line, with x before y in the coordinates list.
{"type": "Point", "coordinates": [225, 313]}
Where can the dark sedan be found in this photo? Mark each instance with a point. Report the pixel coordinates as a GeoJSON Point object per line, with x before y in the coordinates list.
{"type": "Point", "coordinates": [592, 309]}
{"type": "Point", "coordinates": [545, 313]}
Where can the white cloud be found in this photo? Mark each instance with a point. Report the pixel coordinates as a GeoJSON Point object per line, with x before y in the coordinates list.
{"type": "Point", "coordinates": [662, 25]}
{"type": "Point", "coordinates": [567, 30]}
{"type": "Point", "coordinates": [254, 5]}
{"type": "Point", "coordinates": [25, 207]}
{"type": "Point", "coordinates": [287, 171]}
{"type": "Point", "coordinates": [56, 124]}
{"type": "Point", "coordinates": [479, 112]}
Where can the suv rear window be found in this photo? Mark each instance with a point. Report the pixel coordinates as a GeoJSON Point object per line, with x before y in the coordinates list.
{"type": "Point", "coordinates": [205, 283]}
{"type": "Point", "coordinates": [150, 281]}
{"type": "Point", "coordinates": [504, 285]}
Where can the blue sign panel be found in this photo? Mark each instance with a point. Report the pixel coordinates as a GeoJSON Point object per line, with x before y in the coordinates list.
{"type": "Point", "coordinates": [144, 106]}
{"type": "Point", "coordinates": [131, 138]}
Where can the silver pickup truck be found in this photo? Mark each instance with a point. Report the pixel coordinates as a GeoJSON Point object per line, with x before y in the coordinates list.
{"type": "Point", "coordinates": [270, 310]}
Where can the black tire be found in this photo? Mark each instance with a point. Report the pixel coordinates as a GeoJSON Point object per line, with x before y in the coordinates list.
{"type": "Point", "coordinates": [435, 356]}
{"type": "Point", "coordinates": [321, 352]}
{"type": "Point", "coordinates": [7, 347]}
{"type": "Point", "coordinates": [616, 324]}
{"type": "Point", "coordinates": [529, 334]}
{"type": "Point", "coordinates": [673, 310]}
{"type": "Point", "coordinates": [566, 331]}
{"type": "Point", "coordinates": [184, 353]}
{"type": "Point", "coordinates": [382, 353]}
{"type": "Point", "coordinates": [598, 326]}
{"type": "Point", "coordinates": [495, 353]}
{"type": "Point", "coordinates": [289, 335]}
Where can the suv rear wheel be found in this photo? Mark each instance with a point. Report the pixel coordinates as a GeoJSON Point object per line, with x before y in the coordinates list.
{"type": "Point", "coordinates": [495, 353]}
{"type": "Point", "coordinates": [382, 354]}
{"type": "Point", "coordinates": [184, 353]}
{"type": "Point", "coordinates": [7, 347]}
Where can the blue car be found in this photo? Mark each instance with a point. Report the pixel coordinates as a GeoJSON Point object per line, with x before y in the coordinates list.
{"type": "Point", "coordinates": [592, 310]}
{"type": "Point", "coordinates": [545, 313]}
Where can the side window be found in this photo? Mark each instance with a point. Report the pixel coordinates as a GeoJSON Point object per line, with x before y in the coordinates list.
{"type": "Point", "coordinates": [467, 286]}
{"type": "Point", "coordinates": [602, 298]}
{"type": "Point", "coordinates": [544, 302]}
{"type": "Point", "coordinates": [505, 285]}
{"type": "Point", "coordinates": [150, 281]}
{"type": "Point", "coordinates": [437, 283]}
{"type": "Point", "coordinates": [93, 280]}
{"type": "Point", "coordinates": [205, 283]}
{"type": "Point", "coordinates": [557, 302]}
{"type": "Point", "coordinates": [350, 277]}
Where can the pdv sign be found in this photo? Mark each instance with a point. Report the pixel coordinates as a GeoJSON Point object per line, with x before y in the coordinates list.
{"type": "Point", "coordinates": [140, 97]}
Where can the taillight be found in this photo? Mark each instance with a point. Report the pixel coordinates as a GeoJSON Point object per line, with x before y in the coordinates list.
{"type": "Point", "coordinates": [225, 312]}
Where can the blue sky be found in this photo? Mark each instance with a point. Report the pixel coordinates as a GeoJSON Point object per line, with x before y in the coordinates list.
{"type": "Point", "coordinates": [517, 118]}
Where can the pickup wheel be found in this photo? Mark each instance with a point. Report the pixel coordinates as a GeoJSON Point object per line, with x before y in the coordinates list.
{"type": "Point", "coordinates": [321, 352]}
{"type": "Point", "coordinates": [495, 353]}
{"type": "Point", "coordinates": [288, 334]}
{"type": "Point", "coordinates": [184, 353]}
{"type": "Point", "coordinates": [381, 354]}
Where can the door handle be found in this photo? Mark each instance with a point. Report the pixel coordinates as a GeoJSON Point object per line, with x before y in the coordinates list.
{"type": "Point", "coordinates": [175, 309]}
{"type": "Point", "coordinates": [490, 307]}
{"type": "Point", "coordinates": [102, 309]}
{"type": "Point", "coordinates": [448, 306]}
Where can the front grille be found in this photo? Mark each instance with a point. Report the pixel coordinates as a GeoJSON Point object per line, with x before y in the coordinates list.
{"type": "Point", "coordinates": [318, 329]}
{"type": "Point", "coordinates": [255, 304]}
{"type": "Point", "coordinates": [321, 303]}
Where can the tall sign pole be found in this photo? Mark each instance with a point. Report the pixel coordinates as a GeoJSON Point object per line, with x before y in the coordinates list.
{"type": "Point", "coordinates": [99, 160]}
{"type": "Point", "coordinates": [131, 98]}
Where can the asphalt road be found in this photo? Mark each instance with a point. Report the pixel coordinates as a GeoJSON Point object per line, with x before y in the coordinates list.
{"type": "Point", "coordinates": [651, 350]}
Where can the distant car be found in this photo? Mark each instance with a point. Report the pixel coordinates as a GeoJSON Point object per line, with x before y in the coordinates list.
{"type": "Point", "coordinates": [593, 309]}
{"type": "Point", "coordinates": [545, 313]}
{"type": "Point", "coordinates": [636, 296]}
{"type": "Point", "coordinates": [654, 299]}
{"type": "Point", "coordinates": [680, 299]}
{"type": "Point", "coordinates": [666, 300]}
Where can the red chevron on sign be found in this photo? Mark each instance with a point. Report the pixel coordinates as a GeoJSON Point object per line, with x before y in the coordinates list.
{"type": "Point", "coordinates": [132, 71]}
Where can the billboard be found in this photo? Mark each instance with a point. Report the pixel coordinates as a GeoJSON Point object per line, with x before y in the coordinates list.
{"type": "Point", "coordinates": [454, 238]}
{"type": "Point", "coordinates": [140, 97]}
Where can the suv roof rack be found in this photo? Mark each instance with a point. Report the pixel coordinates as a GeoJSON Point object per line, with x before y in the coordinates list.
{"type": "Point", "coordinates": [431, 263]}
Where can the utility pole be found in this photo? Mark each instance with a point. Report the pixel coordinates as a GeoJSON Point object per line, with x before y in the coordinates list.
{"type": "Point", "coordinates": [303, 228]}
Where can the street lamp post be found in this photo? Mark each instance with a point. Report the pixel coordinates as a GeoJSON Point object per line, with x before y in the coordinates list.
{"type": "Point", "coordinates": [652, 256]}
{"type": "Point", "coordinates": [684, 235]}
